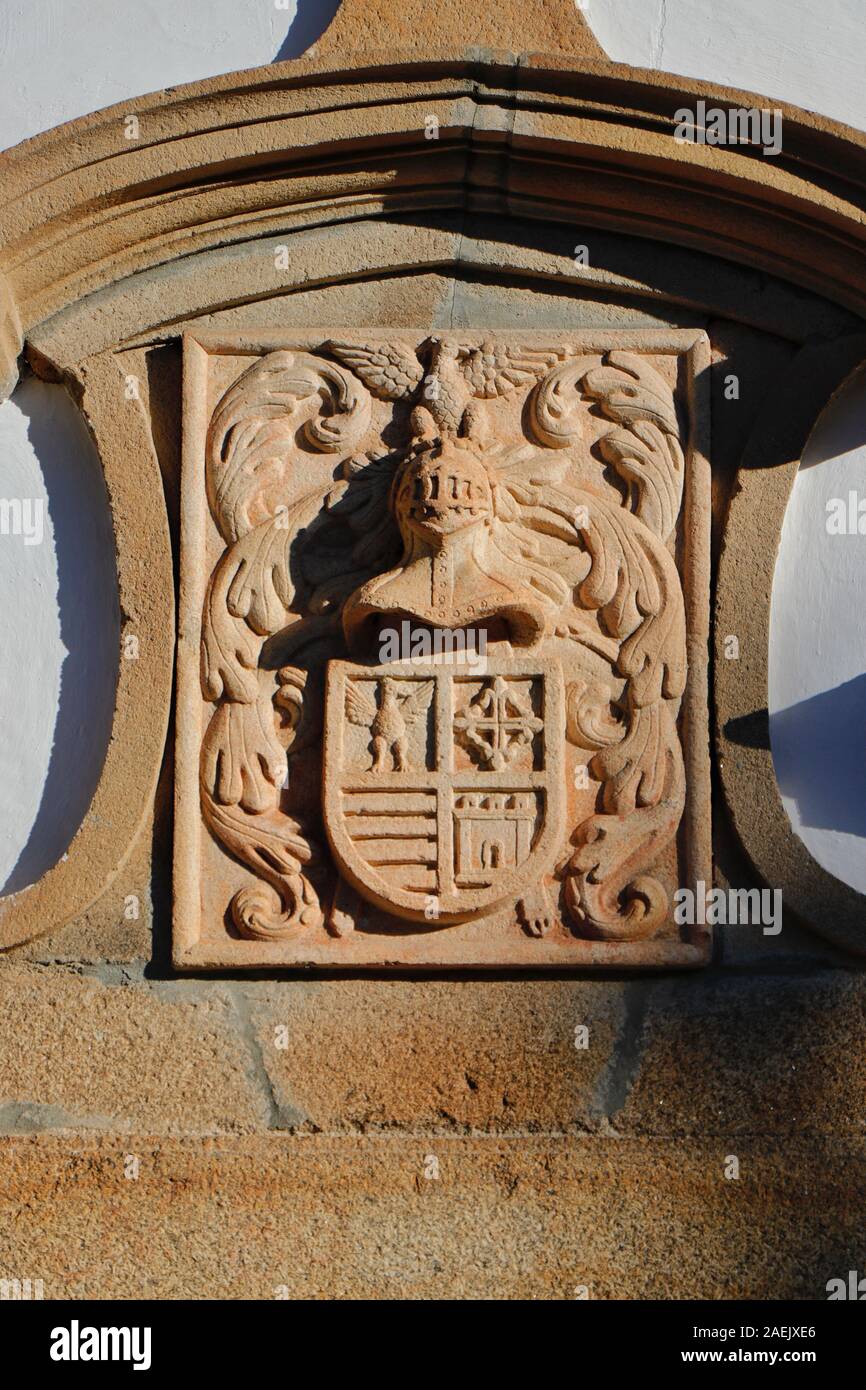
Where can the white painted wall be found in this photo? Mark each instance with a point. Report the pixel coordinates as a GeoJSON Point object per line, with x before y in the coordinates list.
{"type": "Point", "coordinates": [60, 59]}
{"type": "Point", "coordinates": [817, 693]}
{"type": "Point", "coordinates": [58, 623]}
{"type": "Point", "coordinates": [794, 50]}
{"type": "Point", "coordinates": [59, 629]}
{"type": "Point", "coordinates": [63, 58]}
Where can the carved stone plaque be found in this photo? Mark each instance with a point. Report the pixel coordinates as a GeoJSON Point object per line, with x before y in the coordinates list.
{"type": "Point", "coordinates": [442, 657]}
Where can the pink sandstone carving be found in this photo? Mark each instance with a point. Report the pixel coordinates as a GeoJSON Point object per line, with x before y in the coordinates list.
{"type": "Point", "coordinates": [523, 495]}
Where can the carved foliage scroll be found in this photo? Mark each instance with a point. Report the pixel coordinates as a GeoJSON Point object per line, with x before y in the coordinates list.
{"type": "Point", "coordinates": [517, 503]}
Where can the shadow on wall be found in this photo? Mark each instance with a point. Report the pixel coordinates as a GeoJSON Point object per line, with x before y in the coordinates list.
{"type": "Point", "coordinates": [817, 666]}
{"type": "Point", "coordinates": [312, 18]}
{"type": "Point", "coordinates": [826, 784]}
{"type": "Point", "coordinates": [79, 525]}
{"type": "Point", "coordinates": [841, 427]}
{"type": "Point", "coordinates": [826, 778]}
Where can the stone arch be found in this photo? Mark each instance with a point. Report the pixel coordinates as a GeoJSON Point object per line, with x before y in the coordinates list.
{"type": "Point", "coordinates": [121, 229]}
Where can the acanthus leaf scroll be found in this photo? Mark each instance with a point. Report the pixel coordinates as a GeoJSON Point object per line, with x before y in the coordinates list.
{"type": "Point", "coordinates": [532, 491]}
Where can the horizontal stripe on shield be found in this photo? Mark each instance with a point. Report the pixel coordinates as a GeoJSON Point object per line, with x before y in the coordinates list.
{"type": "Point", "coordinates": [396, 833]}
{"type": "Point", "coordinates": [400, 851]}
{"type": "Point", "coordinates": [378, 827]}
{"type": "Point", "coordinates": [389, 803]}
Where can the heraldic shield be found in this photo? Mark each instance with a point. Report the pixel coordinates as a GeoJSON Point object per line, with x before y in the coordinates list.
{"type": "Point", "coordinates": [441, 782]}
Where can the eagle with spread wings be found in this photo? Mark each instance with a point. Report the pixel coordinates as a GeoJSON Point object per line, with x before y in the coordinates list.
{"type": "Point", "coordinates": [456, 373]}
{"type": "Point", "coordinates": [389, 720]}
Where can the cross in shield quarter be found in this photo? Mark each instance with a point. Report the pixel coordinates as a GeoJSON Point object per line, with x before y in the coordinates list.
{"type": "Point", "coordinates": [444, 782]}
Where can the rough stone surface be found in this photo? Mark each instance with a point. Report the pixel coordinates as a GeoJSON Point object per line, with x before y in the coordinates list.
{"type": "Point", "coordinates": [479, 1056]}
{"type": "Point", "coordinates": [768, 1054]}
{"type": "Point", "coordinates": [100, 1048]}
{"type": "Point", "coordinates": [118, 927]}
{"type": "Point", "coordinates": [521, 1218]}
{"type": "Point", "coordinates": [521, 25]}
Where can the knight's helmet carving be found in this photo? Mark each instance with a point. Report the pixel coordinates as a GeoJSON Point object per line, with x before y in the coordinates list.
{"type": "Point", "coordinates": [444, 502]}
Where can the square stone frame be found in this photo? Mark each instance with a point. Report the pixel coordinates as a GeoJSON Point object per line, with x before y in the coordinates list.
{"type": "Point", "coordinates": [191, 952]}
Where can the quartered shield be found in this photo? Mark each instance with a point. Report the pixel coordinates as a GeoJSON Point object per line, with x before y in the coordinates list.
{"type": "Point", "coordinates": [443, 795]}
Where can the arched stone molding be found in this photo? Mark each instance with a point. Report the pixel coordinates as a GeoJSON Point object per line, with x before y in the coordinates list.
{"type": "Point", "coordinates": [146, 591]}
{"type": "Point", "coordinates": [227, 161]}
{"type": "Point", "coordinates": [751, 542]}
{"type": "Point", "coordinates": [127, 226]}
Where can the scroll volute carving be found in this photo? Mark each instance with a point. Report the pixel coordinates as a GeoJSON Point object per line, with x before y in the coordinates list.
{"type": "Point", "coordinates": [529, 492]}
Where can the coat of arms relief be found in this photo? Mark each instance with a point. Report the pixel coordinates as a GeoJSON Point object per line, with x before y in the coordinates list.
{"type": "Point", "coordinates": [444, 650]}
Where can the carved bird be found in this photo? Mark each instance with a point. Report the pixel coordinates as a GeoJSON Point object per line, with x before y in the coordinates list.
{"type": "Point", "coordinates": [389, 719]}
{"type": "Point", "coordinates": [456, 373]}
